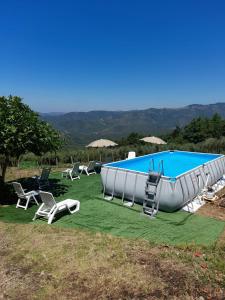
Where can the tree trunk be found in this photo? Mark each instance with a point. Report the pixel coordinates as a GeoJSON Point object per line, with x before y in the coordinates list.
{"type": "Point", "coordinates": [3, 169]}
{"type": "Point", "coordinates": [18, 161]}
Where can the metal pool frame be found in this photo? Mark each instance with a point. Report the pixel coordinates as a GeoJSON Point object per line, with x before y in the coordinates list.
{"type": "Point", "coordinates": [172, 193]}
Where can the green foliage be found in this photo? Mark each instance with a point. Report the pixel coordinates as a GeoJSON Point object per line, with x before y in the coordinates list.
{"type": "Point", "coordinates": [201, 135]}
{"type": "Point", "coordinates": [22, 131]}
{"type": "Point", "coordinates": [132, 139]}
{"type": "Point", "coordinates": [198, 130]}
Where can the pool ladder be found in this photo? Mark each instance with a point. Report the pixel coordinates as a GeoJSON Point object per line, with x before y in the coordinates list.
{"type": "Point", "coordinates": [151, 202]}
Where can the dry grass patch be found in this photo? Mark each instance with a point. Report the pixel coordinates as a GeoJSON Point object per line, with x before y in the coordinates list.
{"type": "Point", "coordinates": [43, 262]}
{"type": "Point", "coordinates": [212, 210]}
{"type": "Point", "coordinates": [17, 173]}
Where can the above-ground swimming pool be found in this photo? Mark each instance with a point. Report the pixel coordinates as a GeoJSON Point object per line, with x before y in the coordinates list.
{"type": "Point", "coordinates": [184, 175]}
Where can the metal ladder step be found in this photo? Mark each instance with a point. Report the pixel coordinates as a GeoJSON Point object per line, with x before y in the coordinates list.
{"type": "Point", "coordinates": [150, 192]}
{"type": "Point", "coordinates": [149, 200]}
{"type": "Point", "coordinates": [151, 184]}
{"type": "Point", "coordinates": [151, 212]}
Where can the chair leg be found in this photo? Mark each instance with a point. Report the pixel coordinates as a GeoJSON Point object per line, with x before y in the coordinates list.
{"type": "Point", "coordinates": [50, 219]}
{"type": "Point", "coordinates": [28, 200]}
{"type": "Point", "coordinates": [37, 212]}
{"type": "Point", "coordinates": [18, 203]}
{"type": "Point", "coordinates": [35, 217]}
{"type": "Point", "coordinates": [21, 205]}
{"type": "Point", "coordinates": [76, 177]}
{"type": "Point", "coordinates": [35, 200]}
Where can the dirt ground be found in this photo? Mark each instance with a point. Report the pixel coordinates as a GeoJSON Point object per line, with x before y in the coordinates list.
{"type": "Point", "coordinates": [214, 209]}
{"type": "Point", "coordinates": [43, 262]}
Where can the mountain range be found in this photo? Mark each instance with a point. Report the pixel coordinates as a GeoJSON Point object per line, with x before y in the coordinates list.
{"type": "Point", "coordinates": [81, 128]}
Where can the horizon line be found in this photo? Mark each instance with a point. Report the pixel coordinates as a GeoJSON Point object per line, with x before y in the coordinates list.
{"type": "Point", "coordinates": [129, 110]}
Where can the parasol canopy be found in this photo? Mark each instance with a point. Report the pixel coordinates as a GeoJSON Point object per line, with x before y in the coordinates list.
{"type": "Point", "coordinates": [101, 144]}
{"type": "Point", "coordinates": [153, 140]}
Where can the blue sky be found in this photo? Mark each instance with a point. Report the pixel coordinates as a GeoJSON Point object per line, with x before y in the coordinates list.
{"type": "Point", "coordinates": [88, 55]}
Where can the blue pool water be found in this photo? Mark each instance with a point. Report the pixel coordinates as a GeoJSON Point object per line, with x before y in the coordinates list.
{"type": "Point", "coordinates": [175, 162]}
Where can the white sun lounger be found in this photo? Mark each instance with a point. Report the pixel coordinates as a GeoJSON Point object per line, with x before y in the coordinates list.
{"type": "Point", "coordinates": [90, 169]}
{"type": "Point", "coordinates": [49, 208]}
{"type": "Point", "coordinates": [22, 195]}
{"type": "Point", "coordinates": [72, 173]}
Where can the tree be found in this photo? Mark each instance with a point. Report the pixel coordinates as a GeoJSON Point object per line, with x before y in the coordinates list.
{"type": "Point", "coordinates": [176, 136]}
{"type": "Point", "coordinates": [22, 131]}
{"type": "Point", "coordinates": [196, 131]}
{"type": "Point", "coordinates": [216, 126]}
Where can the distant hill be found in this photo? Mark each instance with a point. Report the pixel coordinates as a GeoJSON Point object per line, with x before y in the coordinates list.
{"type": "Point", "coordinates": [83, 127]}
{"type": "Point", "coordinates": [52, 114]}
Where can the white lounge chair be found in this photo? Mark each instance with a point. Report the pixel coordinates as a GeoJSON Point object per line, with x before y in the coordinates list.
{"type": "Point", "coordinates": [22, 195]}
{"type": "Point", "coordinates": [131, 155]}
{"type": "Point", "coordinates": [49, 208]}
{"type": "Point", "coordinates": [90, 169]}
{"type": "Point", "coordinates": [72, 173]}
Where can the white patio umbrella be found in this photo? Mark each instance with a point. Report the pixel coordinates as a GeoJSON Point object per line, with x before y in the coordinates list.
{"type": "Point", "coordinates": [153, 140]}
{"type": "Point", "coordinates": [101, 144]}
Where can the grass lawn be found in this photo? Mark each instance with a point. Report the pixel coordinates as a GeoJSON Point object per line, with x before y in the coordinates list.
{"type": "Point", "coordinates": [107, 251]}
{"type": "Point", "coordinates": [99, 215]}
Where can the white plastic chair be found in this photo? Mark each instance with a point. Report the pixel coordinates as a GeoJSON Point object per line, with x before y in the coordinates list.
{"type": "Point", "coordinates": [90, 169]}
{"type": "Point", "coordinates": [49, 208]}
{"type": "Point", "coordinates": [131, 154]}
{"type": "Point", "coordinates": [72, 173]}
{"type": "Point", "coordinates": [22, 195]}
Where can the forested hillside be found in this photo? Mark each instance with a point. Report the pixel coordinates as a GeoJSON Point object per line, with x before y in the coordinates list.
{"type": "Point", "coordinates": [82, 127]}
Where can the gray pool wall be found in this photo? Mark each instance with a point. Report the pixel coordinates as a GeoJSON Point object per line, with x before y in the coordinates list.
{"type": "Point", "coordinates": [173, 193]}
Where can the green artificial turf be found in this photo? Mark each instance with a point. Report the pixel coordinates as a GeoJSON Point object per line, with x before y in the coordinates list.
{"type": "Point", "coordinates": [97, 214]}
